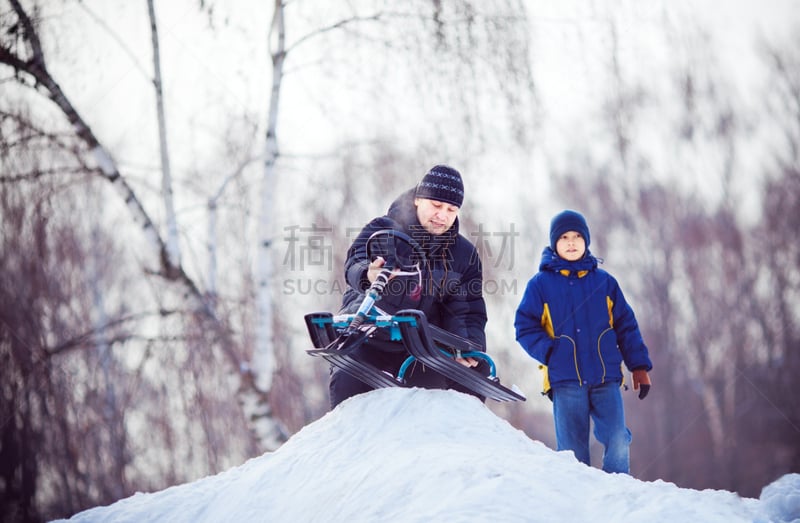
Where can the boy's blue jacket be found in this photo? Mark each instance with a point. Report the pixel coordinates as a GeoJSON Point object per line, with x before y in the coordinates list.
{"type": "Point", "coordinates": [573, 318]}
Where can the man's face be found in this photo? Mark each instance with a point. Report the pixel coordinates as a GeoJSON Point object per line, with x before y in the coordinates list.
{"type": "Point", "coordinates": [435, 217]}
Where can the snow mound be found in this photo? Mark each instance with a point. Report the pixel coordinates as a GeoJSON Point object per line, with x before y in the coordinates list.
{"type": "Point", "coordinates": [428, 455]}
{"type": "Point", "coordinates": [781, 499]}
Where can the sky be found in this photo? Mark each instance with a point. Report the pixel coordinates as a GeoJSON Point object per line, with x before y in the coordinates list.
{"type": "Point", "coordinates": [716, 40]}
{"type": "Point", "coordinates": [408, 455]}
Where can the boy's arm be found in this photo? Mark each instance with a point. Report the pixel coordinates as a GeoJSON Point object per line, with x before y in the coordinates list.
{"type": "Point", "coordinates": [631, 344]}
{"type": "Point", "coordinates": [531, 332]}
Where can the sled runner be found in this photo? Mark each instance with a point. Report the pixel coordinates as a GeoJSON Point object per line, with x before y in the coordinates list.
{"type": "Point", "coordinates": [336, 337]}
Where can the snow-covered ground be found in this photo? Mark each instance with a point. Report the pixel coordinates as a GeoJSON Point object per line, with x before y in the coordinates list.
{"type": "Point", "coordinates": [429, 456]}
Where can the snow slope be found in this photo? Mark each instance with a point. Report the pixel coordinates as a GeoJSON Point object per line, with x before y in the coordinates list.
{"type": "Point", "coordinates": [428, 456]}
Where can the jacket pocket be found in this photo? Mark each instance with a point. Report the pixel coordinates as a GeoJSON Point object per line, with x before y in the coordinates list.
{"type": "Point", "coordinates": [609, 354]}
{"type": "Point", "coordinates": [563, 362]}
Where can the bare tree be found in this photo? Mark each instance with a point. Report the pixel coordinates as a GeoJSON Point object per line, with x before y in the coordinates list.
{"type": "Point", "coordinates": [173, 246]}
{"type": "Point", "coordinates": [706, 296]}
{"type": "Point", "coordinates": [26, 58]}
{"type": "Point", "coordinates": [774, 359]}
{"type": "Point", "coordinates": [57, 476]}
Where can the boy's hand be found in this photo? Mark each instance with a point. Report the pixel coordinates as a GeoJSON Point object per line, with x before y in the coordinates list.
{"type": "Point", "coordinates": [641, 378]}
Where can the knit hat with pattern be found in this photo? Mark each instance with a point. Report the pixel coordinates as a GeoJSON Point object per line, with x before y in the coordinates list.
{"type": "Point", "coordinates": [442, 183]}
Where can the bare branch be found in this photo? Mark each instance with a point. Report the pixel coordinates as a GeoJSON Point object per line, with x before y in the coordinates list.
{"type": "Point", "coordinates": [40, 173]}
{"type": "Point", "coordinates": [86, 339]}
{"type": "Point", "coordinates": [338, 25]}
{"type": "Point", "coordinates": [99, 21]}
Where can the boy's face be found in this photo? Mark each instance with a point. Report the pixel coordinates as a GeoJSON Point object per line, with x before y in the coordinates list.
{"type": "Point", "coordinates": [436, 217]}
{"type": "Point", "coordinates": [571, 246]}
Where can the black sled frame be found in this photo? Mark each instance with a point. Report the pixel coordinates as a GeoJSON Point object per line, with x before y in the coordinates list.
{"type": "Point", "coordinates": [424, 342]}
{"type": "Point", "coordinates": [335, 338]}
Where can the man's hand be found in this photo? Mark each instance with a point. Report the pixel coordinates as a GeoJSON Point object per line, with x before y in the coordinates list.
{"type": "Point", "coordinates": [468, 362]}
{"type": "Point", "coordinates": [375, 269]}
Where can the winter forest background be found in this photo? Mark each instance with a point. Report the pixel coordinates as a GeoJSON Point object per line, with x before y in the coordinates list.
{"type": "Point", "coordinates": [180, 181]}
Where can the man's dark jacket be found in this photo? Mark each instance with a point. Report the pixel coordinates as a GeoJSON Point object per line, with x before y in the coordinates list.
{"type": "Point", "coordinates": [451, 290]}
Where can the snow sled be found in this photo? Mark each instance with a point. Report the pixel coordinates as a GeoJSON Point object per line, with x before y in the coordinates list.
{"type": "Point", "coordinates": [335, 338]}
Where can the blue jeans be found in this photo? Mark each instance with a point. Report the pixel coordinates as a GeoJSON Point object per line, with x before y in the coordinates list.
{"type": "Point", "coordinates": [574, 406]}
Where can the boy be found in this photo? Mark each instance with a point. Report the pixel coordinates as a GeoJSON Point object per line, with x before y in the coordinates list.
{"type": "Point", "coordinates": [573, 318]}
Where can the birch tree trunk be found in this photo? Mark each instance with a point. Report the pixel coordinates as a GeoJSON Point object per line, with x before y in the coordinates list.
{"type": "Point", "coordinates": [264, 351]}
{"type": "Point", "coordinates": [264, 356]}
{"type": "Point", "coordinates": [173, 247]}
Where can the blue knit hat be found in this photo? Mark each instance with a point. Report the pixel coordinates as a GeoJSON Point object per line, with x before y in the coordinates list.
{"type": "Point", "coordinates": [568, 221]}
{"type": "Point", "coordinates": [442, 183]}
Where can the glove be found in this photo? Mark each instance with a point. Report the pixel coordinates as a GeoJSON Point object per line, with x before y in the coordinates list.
{"type": "Point", "coordinates": [641, 378]}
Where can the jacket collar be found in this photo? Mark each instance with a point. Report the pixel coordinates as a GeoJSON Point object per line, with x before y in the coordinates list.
{"type": "Point", "coordinates": [553, 262]}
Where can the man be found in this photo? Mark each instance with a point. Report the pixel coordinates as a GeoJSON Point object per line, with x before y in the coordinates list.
{"type": "Point", "coordinates": [449, 292]}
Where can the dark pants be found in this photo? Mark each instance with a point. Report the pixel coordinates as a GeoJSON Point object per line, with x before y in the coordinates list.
{"type": "Point", "coordinates": [343, 385]}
